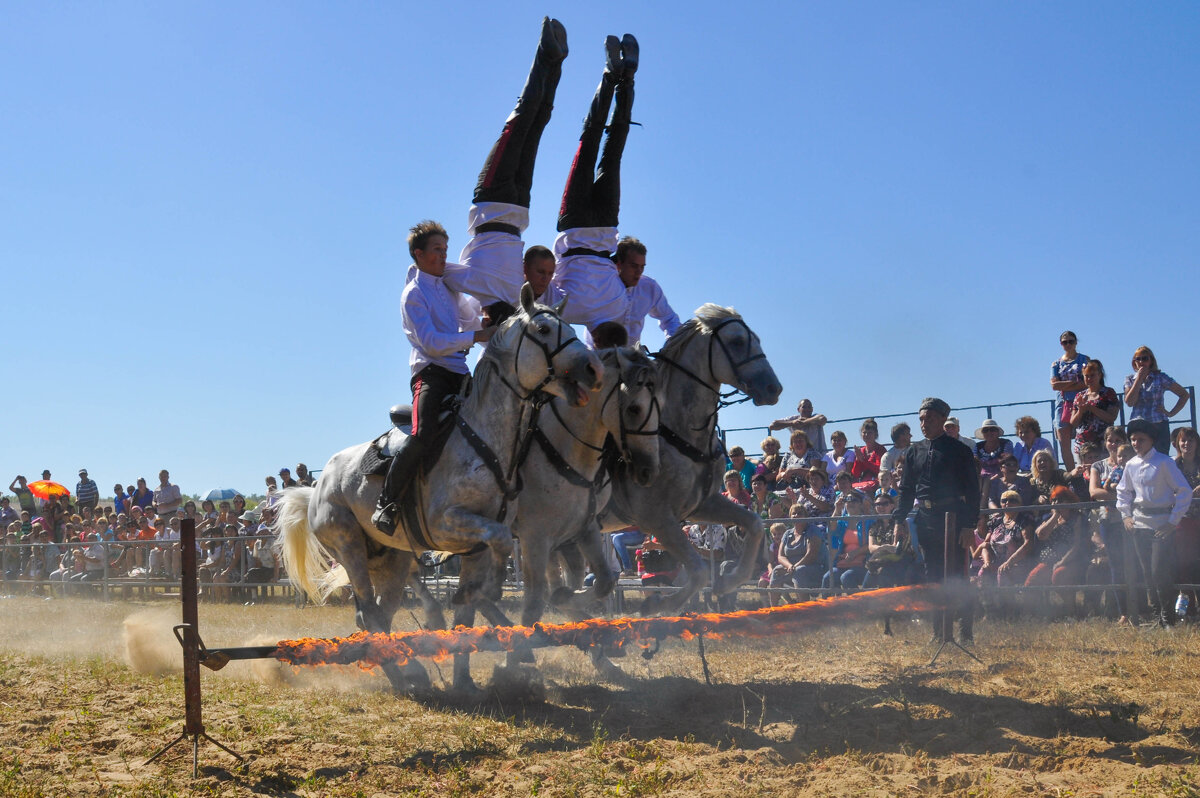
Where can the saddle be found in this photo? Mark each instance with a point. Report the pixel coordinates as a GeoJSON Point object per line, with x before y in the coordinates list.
{"type": "Point", "coordinates": [378, 457]}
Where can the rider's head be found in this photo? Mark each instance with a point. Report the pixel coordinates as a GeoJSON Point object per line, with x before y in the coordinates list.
{"type": "Point", "coordinates": [539, 268]}
{"type": "Point", "coordinates": [630, 260]}
{"type": "Point", "coordinates": [608, 334]}
{"type": "Point", "coordinates": [427, 243]}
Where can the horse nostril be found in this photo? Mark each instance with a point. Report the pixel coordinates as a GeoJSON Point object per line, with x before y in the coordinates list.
{"type": "Point", "coordinates": [643, 475]}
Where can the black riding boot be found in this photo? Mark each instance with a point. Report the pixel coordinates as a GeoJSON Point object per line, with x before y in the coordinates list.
{"type": "Point", "coordinates": [400, 476]}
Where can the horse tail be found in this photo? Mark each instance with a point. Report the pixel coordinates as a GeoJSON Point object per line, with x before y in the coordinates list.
{"type": "Point", "coordinates": [308, 563]}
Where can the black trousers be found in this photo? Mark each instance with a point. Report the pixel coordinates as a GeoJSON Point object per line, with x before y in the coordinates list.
{"type": "Point", "coordinates": [507, 174]}
{"type": "Point", "coordinates": [931, 534]}
{"type": "Point", "coordinates": [595, 200]}
{"type": "Point", "coordinates": [1157, 558]}
{"type": "Point", "coordinates": [430, 386]}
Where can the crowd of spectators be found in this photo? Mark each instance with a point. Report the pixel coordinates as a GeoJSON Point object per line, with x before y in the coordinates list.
{"type": "Point", "coordinates": [58, 542]}
{"type": "Point", "coordinates": [836, 500]}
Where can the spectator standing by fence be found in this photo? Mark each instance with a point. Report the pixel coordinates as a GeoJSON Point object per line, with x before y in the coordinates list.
{"type": "Point", "coordinates": [1029, 442]}
{"type": "Point", "coordinates": [1145, 391]}
{"type": "Point", "coordinates": [1066, 377]}
{"type": "Point", "coordinates": [1153, 497]}
{"type": "Point", "coordinates": [167, 497]}
{"type": "Point", "coordinates": [87, 492]}
{"type": "Point", "coordinates": [806, 421]}
{"type": "Point", "coordinates": [1187, 537]}
{"type": "Point", "coordinates": [868, 457]}
{"type": "Point", "coordinates": [901, 440]}
{"type": "Point", "coordinates": [940, 476]}
{"type": "Point", "coordinates": [1095, 408]}
{"type": "Point", "coordinates": [991, 449]}
{"type": "Point", "coordinates": [24, 496]}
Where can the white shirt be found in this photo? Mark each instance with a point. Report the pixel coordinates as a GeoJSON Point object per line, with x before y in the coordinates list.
{"type": "Point", "coordinates": [1153, 481]}
{"type": "Point", "coordinates": [890, 457]}
{"type": "Point", "coordinates": [439, 323]}
{"type": "Point", "coordinates": [647, 299]}
{"type": "Point", "coordinates": [491, 265]}
{"type": "Point", "coordinates": [594, 290]}
{"type": "Point", "coordinates": [833, 466]}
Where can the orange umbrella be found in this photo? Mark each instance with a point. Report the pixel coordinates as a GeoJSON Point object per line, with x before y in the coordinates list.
{"type": "Point", "coordinates": [45, 489]}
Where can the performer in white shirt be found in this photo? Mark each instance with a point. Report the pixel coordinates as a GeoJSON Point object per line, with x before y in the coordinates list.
{"type": "Point", "coordinates": [643, 295]}
{"type": "Point", "coordinates": [490, 267]}
{"type": "Point", "coordinates": [1152, 497]}
{"type": "Point", "coordinates": [587, 219]}
{"type": "Point", "coordinates": [441, 325]}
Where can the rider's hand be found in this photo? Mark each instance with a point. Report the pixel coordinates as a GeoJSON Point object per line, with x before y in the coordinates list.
{"type": "Point", "coordinates": [485, 335]}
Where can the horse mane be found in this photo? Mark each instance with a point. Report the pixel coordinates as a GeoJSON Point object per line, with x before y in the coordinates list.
{"type": "Point", "coordinates": [707, 316]}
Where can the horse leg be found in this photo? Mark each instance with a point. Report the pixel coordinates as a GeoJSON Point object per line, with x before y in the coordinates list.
{"type": "Point", "coordinates": [435, 618]}
{"type": "Point", "coordinates": [464, 615]}
{"type": "Point", "coordinates": [588, 548]}
{"type": "Point", "coordinates": [389, 574]}
{"type": "Point", "coordinates": [719, 510]}
{"type": "Point", "coordinates": [674, 540]}
{"type": "Point", "coordinates": [462, 530]}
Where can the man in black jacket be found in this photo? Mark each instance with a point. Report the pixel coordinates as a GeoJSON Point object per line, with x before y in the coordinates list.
{"type": "Point", "coordinates": [941, 476]}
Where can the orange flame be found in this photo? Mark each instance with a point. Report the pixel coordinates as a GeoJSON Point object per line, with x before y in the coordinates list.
{"type": "Point", "coordinates": [369, 650]}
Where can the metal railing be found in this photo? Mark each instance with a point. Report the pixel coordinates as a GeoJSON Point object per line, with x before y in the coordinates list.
{"type": "Point", "coordinates": [990, 409]}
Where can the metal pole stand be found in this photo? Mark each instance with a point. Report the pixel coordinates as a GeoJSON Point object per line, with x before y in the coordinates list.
{"type": "Point", "coordinates": [189, 637]}
{"type": "Point", "coordinates": [947, 616]}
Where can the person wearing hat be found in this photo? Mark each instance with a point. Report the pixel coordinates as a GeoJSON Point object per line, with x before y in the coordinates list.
{"type": "Point", "coordinates": [954, 430]}
{"type": "Point", "coordinates": [991, 448]}
{"type": "Point", "coordinates": [87, 492]}
{"type": "Point", "coordinates": [940, 476]}
{"type": "Point", "coordinates": [1152, 498]}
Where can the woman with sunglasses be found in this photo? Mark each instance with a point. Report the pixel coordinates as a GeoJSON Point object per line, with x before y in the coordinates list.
{"type": "Point", "coordinates": [1145, 391]}
{"type": "Point", "coordinates": [1066, 377]}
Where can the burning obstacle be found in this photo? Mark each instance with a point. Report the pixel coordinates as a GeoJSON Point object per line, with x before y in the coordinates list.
{"type": "Point", "coordinates": [376, 650]}
{"type": "Point", "coordinates": [372, 650]}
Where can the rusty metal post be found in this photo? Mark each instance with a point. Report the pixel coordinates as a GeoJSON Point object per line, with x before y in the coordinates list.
{"type": "Point", "coordinates": [951, 589]}
{"type": "Point", "coordinates": [188, 634]}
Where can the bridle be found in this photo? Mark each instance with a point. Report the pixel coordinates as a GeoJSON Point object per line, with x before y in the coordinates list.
{"type": "Point", "coordinates": [535, 394]}
{"type": "Point", "coordinates": [528, 430]}
{"type": "Point", "coordinates": [715, 340]}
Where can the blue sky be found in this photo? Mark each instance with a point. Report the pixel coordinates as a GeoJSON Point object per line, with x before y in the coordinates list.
{"type": "Point", "coordinates": [203, 205]}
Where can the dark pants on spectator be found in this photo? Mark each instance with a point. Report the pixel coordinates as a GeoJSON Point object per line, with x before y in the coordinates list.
{"type": "Point", "coordinates": [931, 534]}
{"type": "Point", "coordinates": [1157, 557]}
{"type": "Point", "coordinates": [1113, 535]}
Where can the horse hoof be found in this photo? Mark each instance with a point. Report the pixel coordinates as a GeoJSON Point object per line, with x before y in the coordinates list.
{"type": "Point", "coordinates": [521, 679]}
{"type": "Point", "coordinates": [417, 678]}
{"type": "Point", "coordinates": [561, 596]}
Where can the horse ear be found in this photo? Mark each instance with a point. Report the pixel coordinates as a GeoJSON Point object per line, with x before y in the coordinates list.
{"type": "Point", "coordinates": [527, 298]}
{"type": "Point", "coordinates": [558, 308]}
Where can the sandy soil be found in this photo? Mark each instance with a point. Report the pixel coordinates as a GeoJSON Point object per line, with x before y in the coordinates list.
{"type": "Point", "coordinates": [88, 691]}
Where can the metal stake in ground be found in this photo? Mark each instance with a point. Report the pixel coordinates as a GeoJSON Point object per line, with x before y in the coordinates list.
{"type": "Point", "coordinates": [188, 634]}
{"type": "Point", "coordinates": [946, 619]}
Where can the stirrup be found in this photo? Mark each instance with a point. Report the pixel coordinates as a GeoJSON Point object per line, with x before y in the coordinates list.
{"type": "Point", "coordinates": [384, 518]}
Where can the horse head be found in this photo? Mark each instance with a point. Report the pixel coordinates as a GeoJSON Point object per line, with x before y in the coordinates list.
{"type": "Point", "coordinates": [545, 355]}
{"type": "Point", "coordinates": [734, 354]}
{"type": "Point", "coordinates": [634, 418]}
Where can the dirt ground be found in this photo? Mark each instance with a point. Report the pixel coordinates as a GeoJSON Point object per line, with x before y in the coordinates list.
{"type": "Point", "coordinates": [1057, 709]}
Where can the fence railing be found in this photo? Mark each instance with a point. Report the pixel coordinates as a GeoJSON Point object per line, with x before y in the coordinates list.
{"type": "Point", "coordinates": [989, 409]}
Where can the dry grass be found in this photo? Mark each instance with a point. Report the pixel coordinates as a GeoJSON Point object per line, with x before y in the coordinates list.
{"type": "Point", "coordinates": [1060, 709]}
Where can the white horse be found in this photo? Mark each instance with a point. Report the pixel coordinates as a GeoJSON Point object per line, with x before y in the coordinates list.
{"type": "Point", "coordinates": [713, 349]}
{"type": "Point", "coordinates": [567, 480]}
{"type": "Point", "coordinates": [466, 499]}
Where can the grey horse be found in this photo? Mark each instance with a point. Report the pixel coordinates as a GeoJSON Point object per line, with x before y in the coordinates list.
{"type": "Point", "coordinates": [713, 349]}
{"type": "Point", "coordinates": [566, 481]}
{"type": "Point", "coordinates": [469, 496]}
